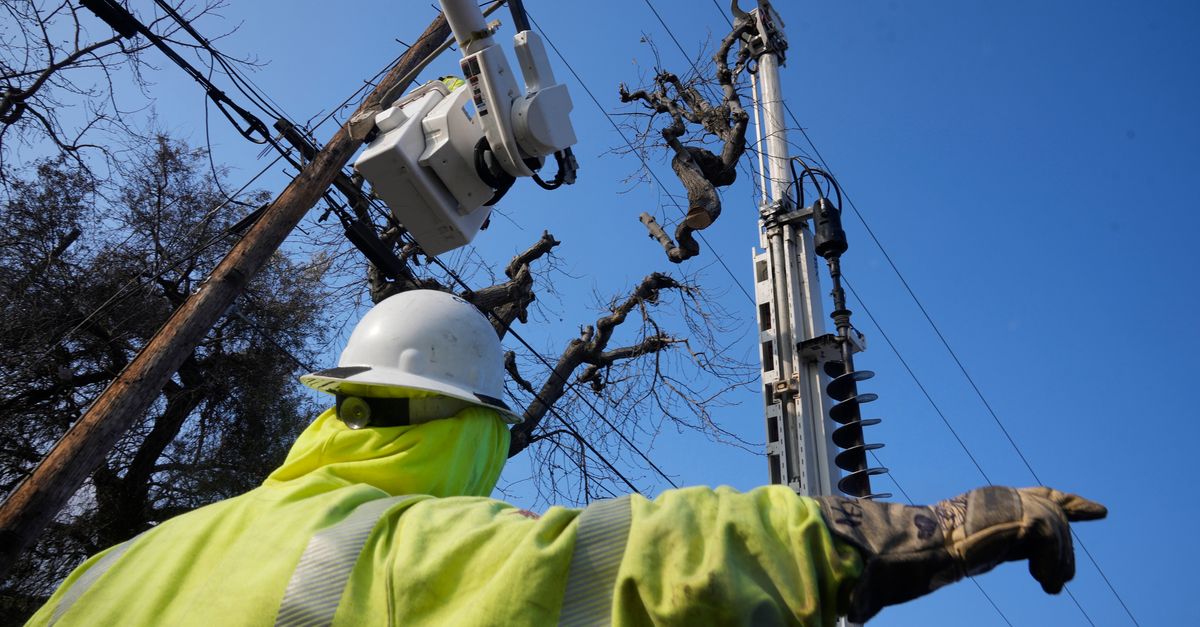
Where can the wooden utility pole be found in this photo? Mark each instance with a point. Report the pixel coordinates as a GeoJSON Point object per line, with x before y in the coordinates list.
{"type": "Point", "coordinates": [30, 507]}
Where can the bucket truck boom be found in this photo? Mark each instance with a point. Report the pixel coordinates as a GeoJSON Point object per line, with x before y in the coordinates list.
{"type": "Point", "coordinates": [445, 153]}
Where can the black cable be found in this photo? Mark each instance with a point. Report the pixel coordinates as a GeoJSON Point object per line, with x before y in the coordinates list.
{"type": "Point", "coordinates": [270, 339]}
{"type": "Point", "coordinates": [915, 379]}
{"type": "Point", "coordinates": [209, 153]}
{"type": "Point", "coordinates": [519, 16]}
{"type": "Point", "coordinates": [579, 437]}
{"type": "Point", "coordinates": [242, 83]}
{"type": "Point", "coordinates": [562, 160]}
{"type": "Point", "coordinates": [961, 444]}
{"type": "Point", "coordinates": [124, 22]}
{"type": "Point", "coordinates": [812, 173]}
{"type": "Point", "coordinates": [574, 388]}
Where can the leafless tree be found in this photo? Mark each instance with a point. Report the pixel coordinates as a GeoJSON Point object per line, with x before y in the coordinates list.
{"type": "Point", "coordinates": [65, 80]}
{"type": "Point", "coordinates": [85, 280]}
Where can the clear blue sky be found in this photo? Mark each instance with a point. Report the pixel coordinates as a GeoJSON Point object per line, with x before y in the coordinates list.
{"type": "Point", "coordinates": [1027, 165]}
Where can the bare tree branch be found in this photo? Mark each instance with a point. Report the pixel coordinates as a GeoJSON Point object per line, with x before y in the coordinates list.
{"type": "Point", "coordinates": [698, 168]}
{"type": "Point", "coordinates": [588, 348]}
{"type": "Point", "coordinates": [510, 300]}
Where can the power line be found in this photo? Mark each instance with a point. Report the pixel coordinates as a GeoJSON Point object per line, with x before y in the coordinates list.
{"type": "Point", "coordinates": [173, 265]}
{"type": "Point", "coordinates": [583, 442]}
{"type": "Point", "coordinates": [953, 432]}
{"type": "Point", "coordinates": [957, 361]}
{"type": "Point", "coordinates": [890, 474]}
{"type": "Point", "coordinates": [916, 380]}
{"type": "Point", "coordinates": [271, 339]}
{"type": "Point", "coordinates": [655, 176]}
{"type": "Point", "coordinates": [240, 82]}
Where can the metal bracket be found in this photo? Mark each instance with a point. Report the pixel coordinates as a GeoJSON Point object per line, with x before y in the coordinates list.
{"type": "Point", "coordinates": [828, 347]}
{"type": "Point", "coordinates": [820, 349]}
{"type": "Point", "coordinates": [770, 35]}
{"type": "Point", "coordinates": [792, 217]}
{"type": "Point", "coordinates": [786, 388]}
{"type": "Point", "coordinates": [778, 214]}
{"type": "Point", "coordinates": [858, 341]}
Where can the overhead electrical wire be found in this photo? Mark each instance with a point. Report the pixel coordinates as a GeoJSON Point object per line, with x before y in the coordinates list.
{"type": "Point", "coordinates": [917, 380]}
{"type": "Point", "coordinates": [892, 476]}
{"type": "Point", "coordinates": [661, 185]}
{"type": "Point", "coordinates": [240, 82]}
{"type": "Point", "coordinates": [945, 343]}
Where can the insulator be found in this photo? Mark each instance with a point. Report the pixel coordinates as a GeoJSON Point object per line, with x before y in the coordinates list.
{"type": "Point", "coordinates": [828, 236]}
{"type": "Point", "coordinates": [847, 412]}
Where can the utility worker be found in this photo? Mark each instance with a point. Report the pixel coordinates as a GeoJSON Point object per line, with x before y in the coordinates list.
{"type": "Point", "coordinates": [380, 516]}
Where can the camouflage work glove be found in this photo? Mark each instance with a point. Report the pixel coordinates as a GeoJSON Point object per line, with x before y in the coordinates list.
{"type": "Point", "coordinates": [911, 551]}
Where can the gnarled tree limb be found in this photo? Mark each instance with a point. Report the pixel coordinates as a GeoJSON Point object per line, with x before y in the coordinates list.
{"type": "Point", "coordinates": [699, 169]}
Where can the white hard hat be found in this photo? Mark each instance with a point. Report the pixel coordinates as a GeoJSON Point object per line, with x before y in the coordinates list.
{"type": "Point", "coordinates": [420, 340]}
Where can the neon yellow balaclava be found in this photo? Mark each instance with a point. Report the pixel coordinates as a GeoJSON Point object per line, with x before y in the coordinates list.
{"type": "Point", "coordinates": [457, 456]}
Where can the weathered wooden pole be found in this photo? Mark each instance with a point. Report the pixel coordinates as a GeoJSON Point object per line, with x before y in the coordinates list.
{"type": "Point", "coordinates": [30, 507]}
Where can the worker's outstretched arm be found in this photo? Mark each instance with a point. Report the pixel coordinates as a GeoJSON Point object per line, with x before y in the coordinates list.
{"type": "Point", "coordinates": [697, 556]}
{"type": "Point", "coordinates": [909, 551]}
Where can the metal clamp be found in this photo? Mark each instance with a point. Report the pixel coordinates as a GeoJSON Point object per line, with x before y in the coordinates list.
{"type": "Point", "coordinates": [784, 388]}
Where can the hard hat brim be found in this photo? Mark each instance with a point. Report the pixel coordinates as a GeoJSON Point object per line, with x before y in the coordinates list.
{"type": "Point", "coordinates": [379, 382]}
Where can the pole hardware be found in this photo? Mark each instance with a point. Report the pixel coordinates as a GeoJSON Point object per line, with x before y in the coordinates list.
{"type": "Point", "coordinates": [786, 388]}
{"type": "Point", "coordinates": [780, 213]}
{"type": "Point", "coordinates": [828, 347]}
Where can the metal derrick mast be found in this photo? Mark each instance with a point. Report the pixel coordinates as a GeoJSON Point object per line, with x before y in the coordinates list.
{"type": "Point", "coordinates": [810, 393]}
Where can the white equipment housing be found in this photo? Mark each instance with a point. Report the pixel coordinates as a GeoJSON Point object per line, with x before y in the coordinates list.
{"type": "Point", "coordinates": [423, 162]}
{"type": "Point", "coordinates": [422, 166]}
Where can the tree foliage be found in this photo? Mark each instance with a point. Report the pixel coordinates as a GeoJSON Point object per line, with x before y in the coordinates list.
{"type": "Point", "coordinates": [88, 274]}
{"type": "Point", "coordinates": [60, 69]}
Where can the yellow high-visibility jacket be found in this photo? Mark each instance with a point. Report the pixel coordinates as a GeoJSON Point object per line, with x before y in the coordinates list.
{"type": "Point", "coordinates": [447, 555]}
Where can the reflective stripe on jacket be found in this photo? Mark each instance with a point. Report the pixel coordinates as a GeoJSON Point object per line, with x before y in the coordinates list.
{"type": "Point", "coordinates": [691, 556]}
